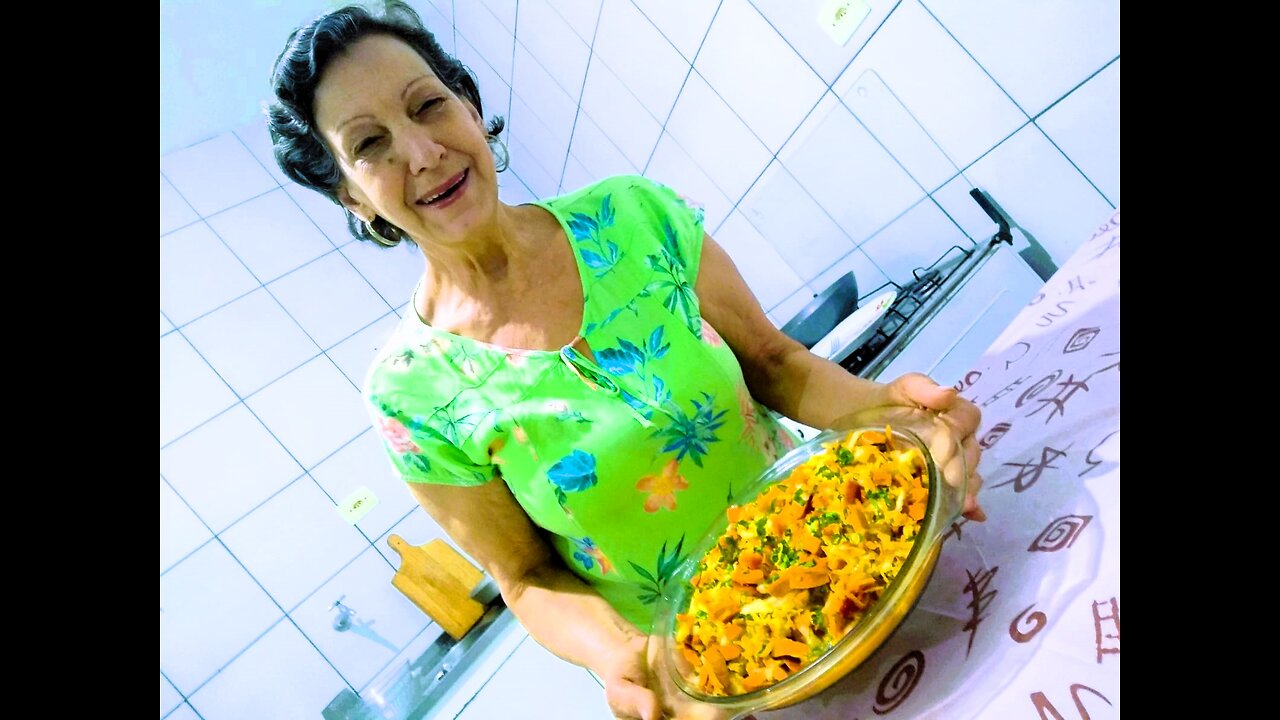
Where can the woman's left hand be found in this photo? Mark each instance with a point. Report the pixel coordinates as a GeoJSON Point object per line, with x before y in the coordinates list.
{"type": "Point", "coordinates": [916, 391]}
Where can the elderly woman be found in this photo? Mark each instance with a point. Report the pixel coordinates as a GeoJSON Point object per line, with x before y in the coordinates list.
{"type": "Point", "coordinates": [579, 382]}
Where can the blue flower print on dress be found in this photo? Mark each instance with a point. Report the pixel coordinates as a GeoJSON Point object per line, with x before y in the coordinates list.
{"type": "Point", "coordinates": [574, 472]}
{"type": "Point", "coordinates": [599, 254]}
{"type": "Point", "coordinates": [590, 555]}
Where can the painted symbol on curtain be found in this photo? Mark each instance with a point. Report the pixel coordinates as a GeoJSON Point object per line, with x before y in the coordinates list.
{"type": "Point", "coordinates": [1058, 402]}
{"type": "Point", "coordinates": [1112, 605]}
{"type": "Point", "coordinates": [1060, 534]}
{"type": "Point", "coordinates": [898, 683]}
{"type": "Point", "coordinates": [1006, 390]}
{"type": "Point", "coordinates": [1059, 311]}
{"type": "Point", "coordinates": [1043, 705]}
{"type": "Point", "coordinates": [1029, 472]}
{"type": "Point", "coordinates": [1089, 459]}
{"type": "Point", "coordinates": [1081, 339]}
{"type": "Point", "coordinates": [981, 598]}
{"type": "Point", "coordinates": [1041, 385]}
{"type": "Point", "coordinates": [1037, 622]}
{"type": "Point", "coordinates": [1025, 347]}
{"type": "Point", "coordinates": [993, 435]}
{"type": "Point", "coordinates": [955, 529]}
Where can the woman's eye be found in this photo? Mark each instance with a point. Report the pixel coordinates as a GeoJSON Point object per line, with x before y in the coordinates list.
{"type": "Point", "coordinates": [366, 144]}
{"type": "Point", "coordinates": [424, 107]}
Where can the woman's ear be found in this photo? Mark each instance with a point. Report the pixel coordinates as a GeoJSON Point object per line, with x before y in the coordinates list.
{"type": "Point", "coordinates": [356, 207]}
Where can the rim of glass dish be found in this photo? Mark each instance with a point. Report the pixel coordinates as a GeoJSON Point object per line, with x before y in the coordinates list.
{"type": "Point", "coordinates": [675, 591]}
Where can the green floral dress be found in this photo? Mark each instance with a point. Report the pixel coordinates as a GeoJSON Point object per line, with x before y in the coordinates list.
{"type": "Point", "coordinates": [624, 461]}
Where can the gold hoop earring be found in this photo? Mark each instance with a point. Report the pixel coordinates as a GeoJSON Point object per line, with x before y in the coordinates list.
{"type": "Point", "coordinates": [501, 160]}
{"type": "Point", "coordinates": [377, 237]}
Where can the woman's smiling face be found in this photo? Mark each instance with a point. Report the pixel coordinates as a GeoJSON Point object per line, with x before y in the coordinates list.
{"type": "Point", "coordinates": [410, 149]}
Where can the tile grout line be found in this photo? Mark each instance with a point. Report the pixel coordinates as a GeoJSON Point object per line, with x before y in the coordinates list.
{"type": "Point", "coordinates": [577, 110]}
{"type": "Point", "coordinates": [683, 83]}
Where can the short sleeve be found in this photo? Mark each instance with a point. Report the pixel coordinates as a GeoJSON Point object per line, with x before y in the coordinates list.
{"type": "Point", "coordinates": [681, 223]}
{"type": "Point", "coordinates": [420, 453]}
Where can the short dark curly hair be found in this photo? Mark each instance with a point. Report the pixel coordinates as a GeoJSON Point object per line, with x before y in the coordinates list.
{"type": "Point", "coordinates": [298, 147]}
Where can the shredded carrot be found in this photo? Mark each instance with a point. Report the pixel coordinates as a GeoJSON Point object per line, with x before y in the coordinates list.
{"type": "Point", "coordinates": [800, 564]}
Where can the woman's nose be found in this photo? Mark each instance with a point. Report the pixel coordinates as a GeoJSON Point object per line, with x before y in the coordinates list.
{"type": "Point", "coordinates": [421, 150]}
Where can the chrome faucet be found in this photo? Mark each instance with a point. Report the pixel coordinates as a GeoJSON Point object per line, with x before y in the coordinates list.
{"type": "Point", "coordinates": [342, 622]}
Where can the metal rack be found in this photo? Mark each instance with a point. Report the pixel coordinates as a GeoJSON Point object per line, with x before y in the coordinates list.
{"type": "Point", "coordinates": [920, 300]}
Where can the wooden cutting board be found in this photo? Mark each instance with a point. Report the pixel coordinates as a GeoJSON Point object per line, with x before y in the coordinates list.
{"type": "Point", "coordinates": [439, 581]}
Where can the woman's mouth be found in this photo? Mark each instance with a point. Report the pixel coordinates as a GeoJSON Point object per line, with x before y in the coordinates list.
{"type": "Point", "coordinates": [448, 193]}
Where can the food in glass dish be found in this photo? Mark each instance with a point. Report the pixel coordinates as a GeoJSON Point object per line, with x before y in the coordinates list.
{"type": "Point", "coordinates": [800, 564]}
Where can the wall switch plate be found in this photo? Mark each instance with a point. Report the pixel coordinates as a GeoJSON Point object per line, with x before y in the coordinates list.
{"type": "Point", "coordinates": [840, 18]}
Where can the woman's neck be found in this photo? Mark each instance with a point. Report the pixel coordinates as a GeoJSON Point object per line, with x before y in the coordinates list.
{"type": "Point", "coordinates": [492, 265]}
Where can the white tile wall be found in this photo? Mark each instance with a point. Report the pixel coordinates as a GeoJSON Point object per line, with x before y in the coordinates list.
{"type": "Point", "coordinates": [801, 231]}
{"type": "Point", "coordinates": [684, 23]}
{"type": "Point", "coordinates": [183, 712]}
{"type": "Point", "coordinates": [313, 410]}
{"type": "Point", "coordinates": [767, 273]}
{"type": "Point", "coordinates": [673, 167]}
{"type": "Point", "coordinates": [596, 151]}
{"type": "Point", "coordinates": [170, 698]}
{"type": "Point", "coordinates": [944, 87]}
{"type": "Point", "coordinates": [282, 676]}
{"type": "Point", "coordinates": [505, 11]}
{"type": "Point", "coordinates": [581, 16]}
{"type": "Point", "coordinates": [554, 45]}
{"type": "Point", "coordinates": [717, 139]}
{"type": "Point", "coordinates": [633, 127]}
{"type": "Point", "coordinates": [495, 93]}
{"type": "Point", "coordinates": [437, 15]}
{"type": "Point", "coordinates": [782, 313]}
{"type": "Point", "coordinates": [175, 212]}
{"type": "Point", "coordinates": [181, 532]}
{"type": "Point", "coordinates": [363, 463]}
{"type": "Point", "coordinates": [924, 226]}
{"type": "Point", "coordinates": [198, 273]}
{"type": "Point", "coordinates": [860, 185]}
{"type": "Point", "coordinates": [322, 212]}
{"type": "Point", "coordinates": [251, 341]}
{"type": "Point", "coordinates": [354, 355]}
{"type": "Point", "coordinates": [216, 174]}
{"type": "Point", "coordinates": [532, 677]}
{"type": "Point", "coordinates": [257, 138]}
{"type": "Point", "coordinates": [512, 190]}
{"type": "Point", "coordinates": [546, 146]}
{"type": "Point", "coordinates": [893, 126]}
{"type": "Point", "coordinates": [479, 26]}
{"type": "Point", "coordinates": [624, 35]}
{"type": "Point", "coordinates": [190, 391]}
{"type": "Point", "coordinates": [227, 466]}
{"type": "Point", "coordinates": [757, 73]}
{"type": "Point", "coordinates": [797, 22]}
{"type": "Point", "coordinates": [294, 542]}
{"type": "Point", "coordinates": [959, 105]}
{"type": "Point", "coordinates": [270, 234]}
{"type": "Point", "coordinates": [210, 610]}
{"type": "Point", "coordinates": [1058, 43]}
{"type": "Point", "coordinates": [539, 180]}
{"type": "Point", "coordinates": [393, 272]}
{"type": "Point", "coordinates": [384, 620]}
{"type": "Point", "coordinates": [1040, 191]}
{"type": "Point", "coordinates": [329, 299]}
{"type": "Point", "coordinates": [1086, 126]}
{"type": "Point", "coordinates": [871, 279]}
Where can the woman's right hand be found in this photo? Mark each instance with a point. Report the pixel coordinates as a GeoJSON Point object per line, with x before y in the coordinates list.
{"type": "Point", "coordinates": [638, 686]}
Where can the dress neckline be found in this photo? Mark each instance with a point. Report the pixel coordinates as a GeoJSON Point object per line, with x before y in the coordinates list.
{"type": "Point", "coordinates": [546, 205]}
